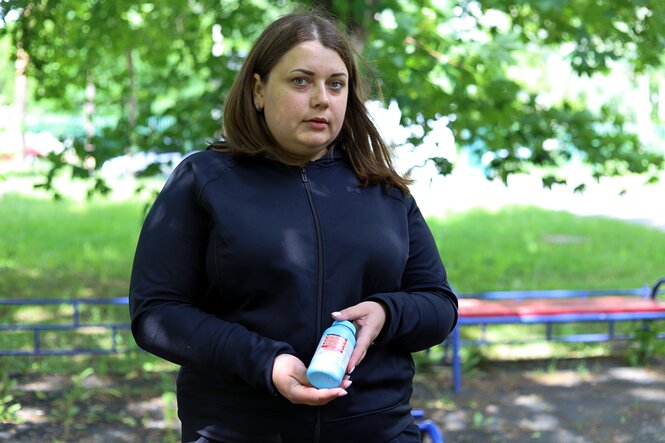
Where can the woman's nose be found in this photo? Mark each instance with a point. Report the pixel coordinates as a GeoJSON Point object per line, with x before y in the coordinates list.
{"type": "Point", "coordinates": [320, 96]}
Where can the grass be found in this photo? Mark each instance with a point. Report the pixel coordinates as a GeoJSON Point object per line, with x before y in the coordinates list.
{"type": "Point", "coordinates": [57, 249]}
{"type": "Point", "coordinates": [84, 249]}
{"type": "Point", "coordinates": [532, 248]}
{"type": "Point", "coordinates": [69, 248]}
{"type": "Point", "coordinates": [63, 249]}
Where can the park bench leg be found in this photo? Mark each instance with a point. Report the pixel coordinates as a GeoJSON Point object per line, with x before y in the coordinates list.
{"type": "Point", "coordinates": [457, 363]}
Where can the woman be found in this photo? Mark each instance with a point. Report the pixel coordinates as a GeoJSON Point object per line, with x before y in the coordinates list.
{"type": "Point", "coordinates": [253, 243]}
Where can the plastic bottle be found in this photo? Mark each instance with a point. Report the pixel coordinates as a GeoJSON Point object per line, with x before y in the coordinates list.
{"type": "Point", "coordinates": [332, 355]}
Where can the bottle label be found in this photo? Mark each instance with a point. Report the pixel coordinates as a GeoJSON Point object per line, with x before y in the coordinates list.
{"type": "Point", "coordinates": [334, 343]}
{"type": "Point", "coordinates": [334, 349]}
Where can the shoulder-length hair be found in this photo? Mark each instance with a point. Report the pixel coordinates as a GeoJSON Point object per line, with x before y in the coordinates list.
{"type": "Point", "coordinates": [245, 129]}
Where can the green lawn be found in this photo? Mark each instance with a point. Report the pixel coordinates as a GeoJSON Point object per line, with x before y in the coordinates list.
{"type": "Point", "coordinates": [65, 249]}
{"type": "Point", "coordinates": [532, 248]}
{"type": "Point", "coordinates": [72, 249]}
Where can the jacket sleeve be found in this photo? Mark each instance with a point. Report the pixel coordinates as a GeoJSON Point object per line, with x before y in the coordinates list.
{"type": "Point", "coordinates": [424, 312]}
{"type": "Point", "coordinates": [168, 285]}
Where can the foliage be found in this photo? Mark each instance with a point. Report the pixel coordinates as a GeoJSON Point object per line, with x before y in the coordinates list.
{"type": "Point", "coordinates": [646, 345]}
{"type": "Point", "coordinates": [453, 59]}
{"type": "Point", "coordinates": [8, 404]}
{"type": "Point", "coordinates": [161, 72]}
{"type": "Point", "coordinates": [69, 406]}
{"type": "Point", "coordinates": [82, 396]}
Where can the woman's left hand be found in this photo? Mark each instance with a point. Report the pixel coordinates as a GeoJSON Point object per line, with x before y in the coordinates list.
{"type": "Point", "coordinates": [369, 318]}
{"type": "Point", "coordinates": [289, 376]}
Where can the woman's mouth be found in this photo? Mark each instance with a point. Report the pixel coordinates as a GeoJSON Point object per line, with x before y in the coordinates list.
{"type": "Point", "coordinates": [317, 123]}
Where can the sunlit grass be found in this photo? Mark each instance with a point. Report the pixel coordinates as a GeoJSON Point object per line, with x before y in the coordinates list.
{"type": "Point", "coordinates": [74, 248]}
{"type": "Point", "coordinates": [66, 249]}
{"type": "Point", "coordinates": [16, 341]}
{"type": "Point", "coordinates": [531, 248]}
{"type": "Point", "coordinates": [84, 249]}
{"type": "Point", "coordinates": [63, 249]}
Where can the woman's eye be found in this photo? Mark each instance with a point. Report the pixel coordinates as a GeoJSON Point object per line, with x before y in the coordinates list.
{"type": "Point", "coordinates": [336, 84]}
{"type": "Point", "coordinates": [299, 81]}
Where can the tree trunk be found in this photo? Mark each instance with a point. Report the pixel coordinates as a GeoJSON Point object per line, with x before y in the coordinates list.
{"type": "Point", "coordinates": [20, 103]}
{"type": "Point", "coordinates": [89, 112]}
{"type": "Point", "coordinates": [661, 102]}
{"type": "Point", "coordinates": [88, 121]}
{"type": "Point", "coordinates": [132, 112]}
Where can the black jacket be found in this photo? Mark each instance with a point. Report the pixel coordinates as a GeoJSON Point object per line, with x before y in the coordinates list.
{"type": "Point", "coordinates": [240, 260]}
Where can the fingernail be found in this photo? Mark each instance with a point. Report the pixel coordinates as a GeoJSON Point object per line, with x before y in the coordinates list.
{"type": "Point", "coordinates": [336, 314]}
{"type": "Point", "coordinates": [342, 394]}
{"type": "Point", "coordinates": [351, 371]}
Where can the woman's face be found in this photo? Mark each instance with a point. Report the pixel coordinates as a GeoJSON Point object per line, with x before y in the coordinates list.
{"type": "Point", "coordinates": [304, 99]}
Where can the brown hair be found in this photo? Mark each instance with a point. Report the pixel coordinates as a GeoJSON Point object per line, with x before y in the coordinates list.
{"type": "Point", "coordinates": [245, 129]}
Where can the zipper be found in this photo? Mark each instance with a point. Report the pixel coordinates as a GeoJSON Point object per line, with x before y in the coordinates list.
{"type": "Point", "coordinates": [319, 279]}
{"type": "Point", "coordinates": [319, 252]}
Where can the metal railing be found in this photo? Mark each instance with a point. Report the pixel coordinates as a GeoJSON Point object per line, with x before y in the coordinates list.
{"type": "Point", "coordinates": [72, 321]}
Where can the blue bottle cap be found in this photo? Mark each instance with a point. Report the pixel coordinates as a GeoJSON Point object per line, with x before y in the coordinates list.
{"type": "Point", "coordinates": [346, 323]}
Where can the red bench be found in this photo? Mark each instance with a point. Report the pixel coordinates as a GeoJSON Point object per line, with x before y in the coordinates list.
{"type": "Point", "coordinates": [554, 306]}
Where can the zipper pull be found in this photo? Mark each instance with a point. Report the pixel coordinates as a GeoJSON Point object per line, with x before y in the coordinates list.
{"type": "Point", "coordinates": [303, 174]}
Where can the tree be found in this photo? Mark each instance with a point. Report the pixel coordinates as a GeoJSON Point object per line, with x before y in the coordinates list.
{"type": "Point", "coordinates": [160, 72]}
{"type": "Point", "coordinates": [158, 83]}
{"type": "Point", "coordinates": [455, 61]}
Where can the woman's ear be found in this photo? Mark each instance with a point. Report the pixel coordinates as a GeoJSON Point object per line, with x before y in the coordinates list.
{"type": "Point", "coordinates": [258, 92]}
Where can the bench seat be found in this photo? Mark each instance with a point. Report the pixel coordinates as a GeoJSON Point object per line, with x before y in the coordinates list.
{"type": "Point", "coordinates": [475, 307]}
{"type": "Point", "coordinates": [554, 306]}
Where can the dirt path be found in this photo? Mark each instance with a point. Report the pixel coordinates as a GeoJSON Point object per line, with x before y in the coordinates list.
{"type": "Point", "coordinates": [582, 401]}
{"type": "Point", "coordinates": [575, 401]}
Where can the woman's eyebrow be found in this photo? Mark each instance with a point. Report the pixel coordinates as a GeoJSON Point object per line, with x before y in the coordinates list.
{"type": "Point", "coordinates": [308, 72]}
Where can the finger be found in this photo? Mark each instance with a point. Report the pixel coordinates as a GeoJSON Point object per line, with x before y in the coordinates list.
{"type": "Point", "coordinates": [351, 313]}
{"type": "Point", "coordinates": [358, 354]}
{"type": "Point", "coordinates": [356, 357]}
{"type": "Point", "coordinates": [363, 342]}
{"type": "Point", "coordinates": [344, 314]}
{"type": "Point", "coordinates": [316, 397]}
{"type": "Point", "coordinates": [364, 314]}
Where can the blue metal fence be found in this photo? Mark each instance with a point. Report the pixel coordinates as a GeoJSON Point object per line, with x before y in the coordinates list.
{"type": "Point", "coordinates": [72, 322]}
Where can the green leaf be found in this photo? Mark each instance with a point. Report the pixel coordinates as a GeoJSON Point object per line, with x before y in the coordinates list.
{"type": "Point", "coordinates": [161, 74]}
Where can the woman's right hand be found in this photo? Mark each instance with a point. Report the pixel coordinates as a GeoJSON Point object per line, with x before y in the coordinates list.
{"type": "Point", "coordinates": [289, 375]}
